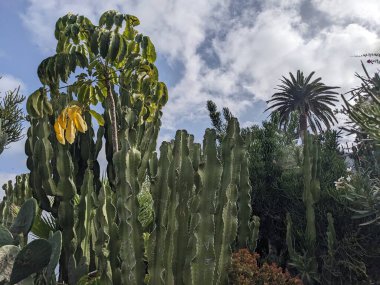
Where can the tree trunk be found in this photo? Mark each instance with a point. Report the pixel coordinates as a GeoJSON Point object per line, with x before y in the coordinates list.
{"type": "Point", "coordinates": [303, 126]}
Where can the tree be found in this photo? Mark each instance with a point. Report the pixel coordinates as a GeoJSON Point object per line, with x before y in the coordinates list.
{"type": "Point", "coordinates": [113, 59]}
{"type": "Point", "coordinates": [312, 100]}
{"type": "Point", "coordinates": [216, 120]}
{"type": "Point", "coordinates": [11, 118]}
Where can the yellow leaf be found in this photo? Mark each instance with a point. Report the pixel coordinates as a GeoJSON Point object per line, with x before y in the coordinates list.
{"type": "Point", "coordinates": [59, 132]}
{"type": "Point", "coordinates": [72, 110]}
{"type": "Point", "coordinates": [62, 119]}
{"type": "Point", "coordinates": [80, 124]}
{"type": "Point", "coordinates": [70, 131]}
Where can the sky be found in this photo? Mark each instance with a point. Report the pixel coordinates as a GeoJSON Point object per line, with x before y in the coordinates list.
{"type": "Point", "coordinates": [230, 51]}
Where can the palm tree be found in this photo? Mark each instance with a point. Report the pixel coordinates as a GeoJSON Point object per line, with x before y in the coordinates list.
{"type": "Point", "coordinates": [312, 100]}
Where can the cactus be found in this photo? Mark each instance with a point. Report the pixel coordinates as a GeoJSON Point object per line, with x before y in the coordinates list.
{"type": "Point", "coordinates": [8, 255]}
{"type": "Point", "coordinates": [161, 193]}
{"type": "Point", "coordinates": [254, 228]}
{"type": "Point", "coordinates": [19, 261]}
{"type": "Point", "coordinates": [25, 218]}
{"type": "Point", "coordinates": [31, 259]}
{"type": "Point", "coordinates": [15, 195]}
{"type": "Point", "coordinates": [244, 205]}
{"type": "Point", "coordinates": [185, 235]}
{"type": "Point", "coordinates": [210, 172]}
{"type": "Point", "coordinates": [331, 235]}
{"type": "Point", "coordinates": [311, 194]}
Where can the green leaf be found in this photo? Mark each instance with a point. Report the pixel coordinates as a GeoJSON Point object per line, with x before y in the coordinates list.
{"type": "Point", "coordinates": [105, 38]}
{"type": "Point", "coordinates": [94, 46]}
{"type": "Point", "coordinates": [114, 47]}
{"type": "Point", "coordinates": [148, 50]}
{"type": "Point", "coordinates": [99, 118]}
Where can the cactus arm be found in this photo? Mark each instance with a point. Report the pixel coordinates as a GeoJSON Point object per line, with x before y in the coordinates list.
{"type": "Point", "coordinates": [254, 228]}
{"type": "Point", "coordinates": [126, 162]}
{"type": "Point", "coordinates": [182, 186]}
{"type": "Point", "coordinates": [228, 234]}
{"type": "Point", "coordinates": [161, 193]}
{"type": "Point", "coordinates": [85, 217]}
{"type": "Point", "coordinates": [66, 215]}
{"type": "Point", "coordinates": [102, 237]}
{"type": "Point", "coordinates": [331, 235]}
{"type": "Point", "coordinates": [232, 152]}
{"type": "Point", "coordinates": [289, 236]}
{"type": "Point", "coordinates": [310, 232]}
{"type": "Point", "coordinates": [210, 171]}
{"type": "Point", "coordinates": [244, 205]}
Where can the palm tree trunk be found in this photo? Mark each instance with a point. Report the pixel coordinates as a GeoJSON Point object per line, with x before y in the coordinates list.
{"type": "Point", "coordinates": [303, 126]}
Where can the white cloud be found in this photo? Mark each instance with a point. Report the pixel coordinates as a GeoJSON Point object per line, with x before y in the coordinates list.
{"type": "Point", "coordinates": [9, 82]}
{"type": "Point", "coordinates": [345, 11]}
{"type": "Point", "coordinates": [253, 48]}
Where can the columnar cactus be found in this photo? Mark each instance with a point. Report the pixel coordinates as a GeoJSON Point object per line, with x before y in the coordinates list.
{"type": "Point", "coordinates": [311, 194]}
{"type": "Point", "coordinates": [312, 190]}
{"type": "Point", "coordinates": [186, 246]}
{"type": "Point", "coordinates": [15, 195]}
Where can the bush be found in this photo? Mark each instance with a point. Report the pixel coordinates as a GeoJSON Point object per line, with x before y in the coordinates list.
{"type": "Point", "coordinates": [246, 270]}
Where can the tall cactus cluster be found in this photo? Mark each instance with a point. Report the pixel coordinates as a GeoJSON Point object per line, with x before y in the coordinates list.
{"type": "Point", "coordinates": [15, 195]}
{"type": "Point", "coordinates": [197, 202]}
{"type": "Point", "coordinates": [200, 204]}
{"type": "Point", "coordinates": [311, 195]}
{"type": "Point", "coordinates": [201, 198]}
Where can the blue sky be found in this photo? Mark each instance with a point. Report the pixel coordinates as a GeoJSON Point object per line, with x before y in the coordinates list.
{"type": "Point", "coordinates": [230, 51]}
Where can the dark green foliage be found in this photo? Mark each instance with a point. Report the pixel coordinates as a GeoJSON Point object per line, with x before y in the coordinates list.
{"type": "Point", "coordinates": [332, 163]}
{"type": "Point", "coordinates": [365, 113]}
{"type": "Point", "coordinates": [11, 118]}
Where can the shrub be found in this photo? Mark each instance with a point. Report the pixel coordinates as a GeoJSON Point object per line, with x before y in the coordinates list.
{"type": "Point", "coordinates": [246, 270]}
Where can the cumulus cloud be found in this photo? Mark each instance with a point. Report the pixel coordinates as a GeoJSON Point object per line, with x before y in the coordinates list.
{"type": "Point", "coordinates": [234, 52]}
{"type": "Point", "coordinates": [349, 11]}
{"type": "Point", "coordinates": [9, 82]}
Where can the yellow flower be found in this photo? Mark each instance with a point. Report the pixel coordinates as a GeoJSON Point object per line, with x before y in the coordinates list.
{"type": "Point", "coordinates": [68, 123]}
